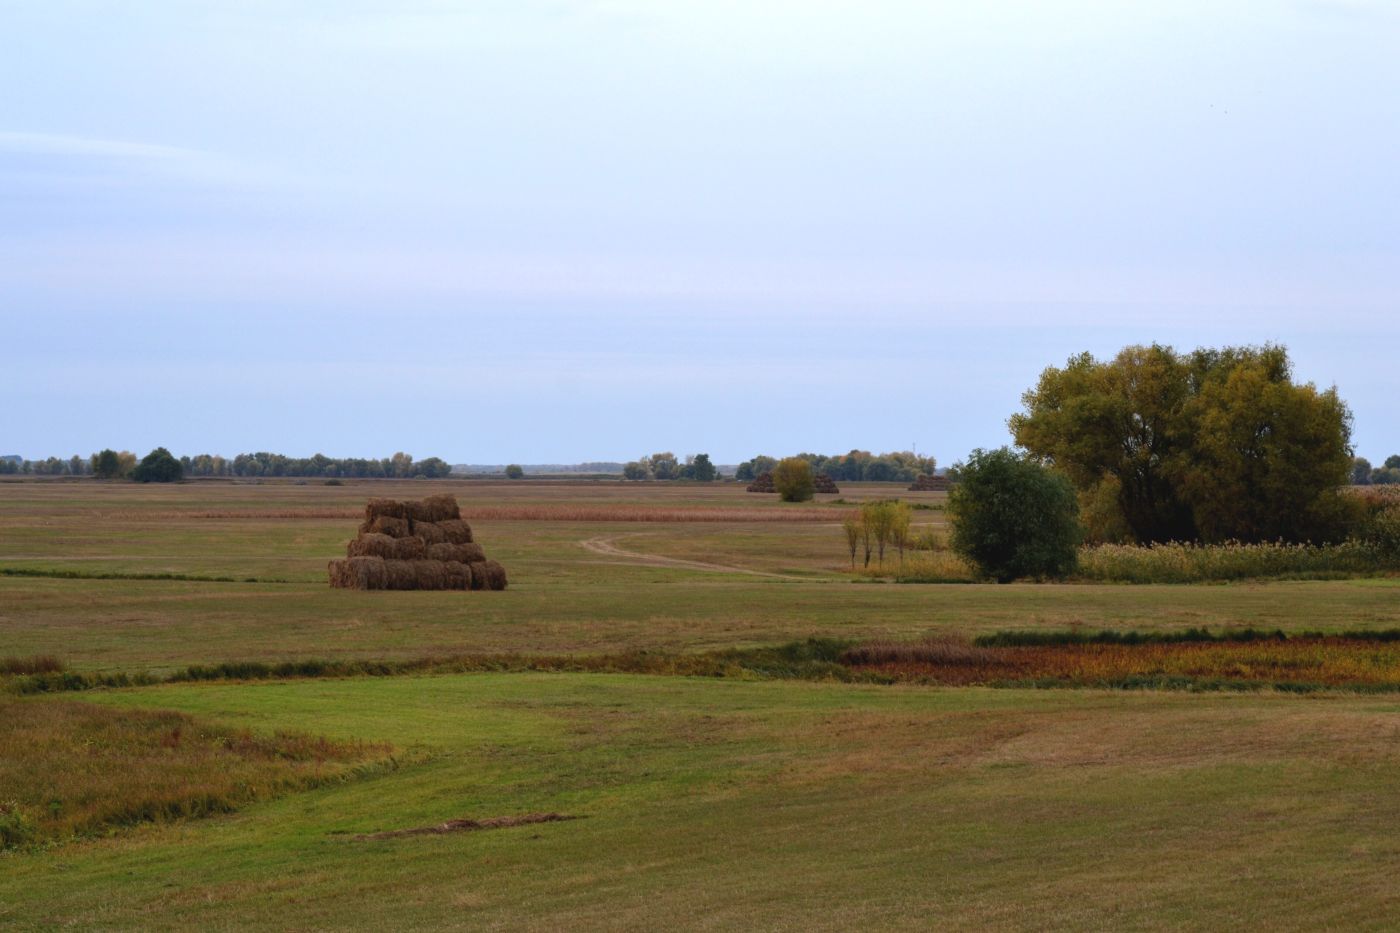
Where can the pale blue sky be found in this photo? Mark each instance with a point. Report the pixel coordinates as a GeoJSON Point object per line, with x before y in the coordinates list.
{"type": "Point", "coordinates": [559, 231]}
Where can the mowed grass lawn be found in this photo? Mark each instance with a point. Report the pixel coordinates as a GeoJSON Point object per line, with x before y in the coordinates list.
{"type": "Point", "coordinates": [782, 805]}
{"type": "Point", "coordinates": [723, 803]}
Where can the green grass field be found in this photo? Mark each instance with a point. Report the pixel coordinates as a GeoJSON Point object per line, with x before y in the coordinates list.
{"type": "Point", "coordinates": [714, 803]}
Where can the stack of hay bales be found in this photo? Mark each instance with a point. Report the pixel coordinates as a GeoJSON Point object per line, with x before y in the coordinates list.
{"type": "Point", "coordinates": [926, 482]}
{"type": "Point", "coordinates": [824, 483]}
{"type": "Point", "coordinates": [762, 483]}
{"type": "Point", "coordinates": [422, 545]}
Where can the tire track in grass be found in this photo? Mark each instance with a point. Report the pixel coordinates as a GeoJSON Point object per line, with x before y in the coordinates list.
{"type": "Point", "coordinates": [605, 545]}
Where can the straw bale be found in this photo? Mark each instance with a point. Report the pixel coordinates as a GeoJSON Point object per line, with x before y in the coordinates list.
{"type": "Point", "coordinates": [459, 553]}
{"type": "Point", "coordinates": [762, 483]}
{"type": "Point", "coordinates": [375, 545]}
{"type": "Point", "coordinates": [387, 508]}
{"type": "Point", "coordinates": [488, 575]}
{"type": "Point", "coordinates": [430, 574]}
{"type": "Point", "coordinates": [433, 509]}
{"type": "Point", "coordinates": [430, 532]}
{"type": "Point", "coordinates": [400, 575]}
{"type": "Point", "coordinates": [459, 576]}
{"type": "Point", "coordinates": [358, 573]}
{"type": "Point", "coordinates": [457, 531]}
{"type": "Point", "coordinates": [386, 525]}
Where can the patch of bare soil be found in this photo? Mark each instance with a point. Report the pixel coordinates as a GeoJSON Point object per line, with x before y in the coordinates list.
{"type": "Point", "coordinates": [466, 826]}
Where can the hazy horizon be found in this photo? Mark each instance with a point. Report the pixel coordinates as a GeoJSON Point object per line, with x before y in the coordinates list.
{"type": "Point", "coordinates": [551, 232]}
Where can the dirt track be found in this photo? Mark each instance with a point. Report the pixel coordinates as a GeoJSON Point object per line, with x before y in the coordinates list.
{"type": "Point", "coordinates": [604, 545]}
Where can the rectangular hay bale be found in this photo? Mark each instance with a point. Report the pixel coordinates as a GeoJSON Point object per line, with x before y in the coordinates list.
{"type": "Point", "coordinates": [358, 573]}
{"type": "Point", "coordinates": [386, 525]}
{"type": "Point", "coordinates": [377, 545]}
{"type": "Point", "coordinates": [458, 553]}
{"type": "Point", "coordinates": [439, 508]}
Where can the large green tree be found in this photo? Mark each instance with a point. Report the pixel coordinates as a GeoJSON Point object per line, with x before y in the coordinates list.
{"type": "Point", "coordinates": [1213, 445]}
{"type": "Point", "coordinates": [1013, 518]}
{"type": "Point", "coordinates": [158, 466]}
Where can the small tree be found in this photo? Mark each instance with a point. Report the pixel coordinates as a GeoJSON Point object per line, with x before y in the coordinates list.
{"type": "Point", "coordinates": [158, 466]}
{"type": "Point", "coordinates": [899, 528]}
{"type": "Point", "coordinates": [878, 516]}
{"type": "Point", "coordinates": [634, 470]}
{"type": "Point", "coordinates": [792, 478]}
{"type": "Point", "coordinates": [702, 469]}
{"type": "Point", "coordinates": [515, 471]}
{"type": "Point", "coordinates": [106, 465]}
{"type": "Point", "coordinates": [1013, 518]}
{"type": "Point", "coordinates": [852, 527]}
{"type": "Point", "coordinates": [665, 465]}
{"type": "Point", "coordinates": [1361, 472]}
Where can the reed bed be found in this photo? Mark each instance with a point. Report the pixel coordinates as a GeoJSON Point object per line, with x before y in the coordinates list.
{"type": "Point", "coordinates": [1202, 563]}
{"type": "Point", "coordinates": [1169, 563]}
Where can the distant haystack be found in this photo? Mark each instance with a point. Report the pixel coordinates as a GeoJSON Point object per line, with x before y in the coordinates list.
{"type": "Point", "coordinates": [763, 482]}
{"type": "Point", "coordinates": [821, 483]}
{"type": "Point", "coordinates": [927, 482]}
{"type": "Point", "coordinates": [422, 545]}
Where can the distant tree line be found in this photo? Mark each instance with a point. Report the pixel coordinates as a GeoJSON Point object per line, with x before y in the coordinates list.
{"type": "Point", "coordinates": [111, 464]}
{"type": "Point", "coordinates": [857, 466]}
{"type": "Point", "coordinates": [665, 466]}
{"type": "Point", "coordinates": [1363, 474]}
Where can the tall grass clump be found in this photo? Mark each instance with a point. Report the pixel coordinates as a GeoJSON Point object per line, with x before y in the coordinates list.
{"type": "Point", "coordinates": [1203, 563]}
{"type": "Point", "coordinates": [73, 769]}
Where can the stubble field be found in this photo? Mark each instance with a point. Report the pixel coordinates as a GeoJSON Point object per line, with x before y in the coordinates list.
{"type": "Point", "coordinates": [700, 802]}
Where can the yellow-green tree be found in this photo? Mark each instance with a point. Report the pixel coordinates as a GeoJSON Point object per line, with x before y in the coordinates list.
{"type": "Point", "coordinates": [792, 478]}
{"type": "Point", "coordinates": [1214, 445]}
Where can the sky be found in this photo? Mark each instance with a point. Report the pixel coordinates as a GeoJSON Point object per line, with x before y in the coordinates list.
{"type": "Point", "coordinates": [559, 231]}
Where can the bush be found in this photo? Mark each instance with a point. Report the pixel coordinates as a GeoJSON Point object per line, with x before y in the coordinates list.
{"type": "Point", "coordinates": [792, 478]}
{"type": "Point", "coordinates": [158, 466]}
{"type": "Point", "coordinates": [515, 471]}
{"type": "Point", "coordinates": [1013, 518]}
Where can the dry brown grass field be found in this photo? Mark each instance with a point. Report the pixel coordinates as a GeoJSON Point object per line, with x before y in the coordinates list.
{"type": "Point", "coordinates": [722, 802]}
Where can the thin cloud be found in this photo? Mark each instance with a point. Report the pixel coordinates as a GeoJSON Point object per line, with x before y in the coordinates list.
{"type": "Point", "coordinates": [59, 145]}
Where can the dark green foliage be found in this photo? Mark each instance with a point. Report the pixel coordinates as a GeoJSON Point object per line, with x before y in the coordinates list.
{"type": "Point", "coordinates": [1013, 518]}
{"type": "Point", "coordinates": [515, 471]}
{"type": "Point", "coordinates": [106, 465]}
{"type": "Point", "coordinates": [158, 466]}
{"type": "Point", "coordinates": [856, 466]}
{"type": "Point", "coordinates": [700, 469]}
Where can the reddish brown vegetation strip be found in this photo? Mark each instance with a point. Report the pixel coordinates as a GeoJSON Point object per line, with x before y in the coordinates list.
{"type": "Point", "coordinates": [467, 826]}
{"type": "Point", "coordinates": [73, 769]}
{"type": "Point", "coordinates": [1333, 661]}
